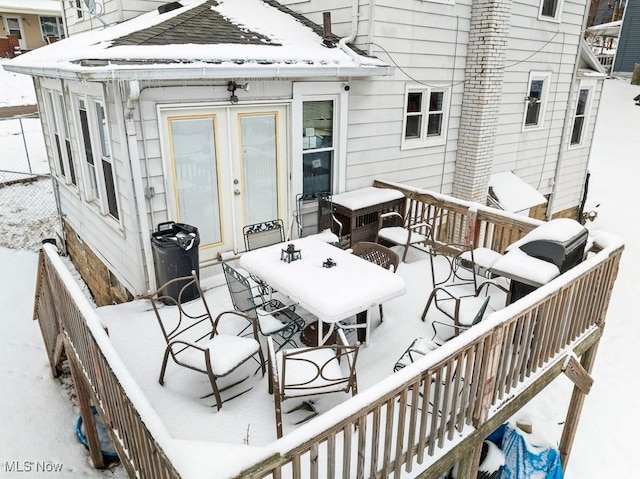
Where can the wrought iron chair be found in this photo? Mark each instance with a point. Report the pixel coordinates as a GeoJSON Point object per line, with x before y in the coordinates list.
{"type": "Point", "coordinates": [333, 232]}
{"type": "Point", "coordinates": [464, 311]}
{"type": "Point", "coordinates": [193, 338]}
{"type": "Point", "coordinates": [272, 316]}
{"type": "Point", "coordinates": [453, 264]}
{"type": "Point", "coordinates": [405, 231]}
{"type": "Point", "coordinates": [382, 256]}
{"type": "Point", "coordinates": [311, 371]}
{"type": "Point", "coordinates": [263, 234]}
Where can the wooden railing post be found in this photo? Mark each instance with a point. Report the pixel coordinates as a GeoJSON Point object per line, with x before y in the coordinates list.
{"type": "Point", "coordinates": [84, 403]}
{"type": "Point", "coordinates": [470, 237]}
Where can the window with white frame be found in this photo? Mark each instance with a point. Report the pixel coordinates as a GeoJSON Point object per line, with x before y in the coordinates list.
{"type": "Point", "coordinates": [79, 7]}
{"type": "Point", "coordinates": [550, 10]}
{"type": "Point", "coordinates": [536, 99]}
{"type": "Point", "coordinates": [59, 129]}
{"type": "Point", "coordinates": [91, 184]}
{"type": "Point", "coordinates": [425, 116]}
{"type": "Point", "coordinates": [64, 129]}
{"type": "Point", "coordinates": [581, 115]}
{"type": "Point", "coordinates": [51, 27]}
{"type": "Point", "coordinates": [97, 161]}
{"type": "Point", "coordinates": [107, 162]}
{"type": "Point", "coordinates": [317, 146]}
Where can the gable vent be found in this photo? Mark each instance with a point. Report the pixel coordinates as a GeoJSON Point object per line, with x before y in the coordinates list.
{"type": "Point", "coordinates": [167, 7]}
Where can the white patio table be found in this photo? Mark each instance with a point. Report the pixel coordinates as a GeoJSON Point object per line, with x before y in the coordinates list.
{"type": "Point", "coordinates": [331, 294]}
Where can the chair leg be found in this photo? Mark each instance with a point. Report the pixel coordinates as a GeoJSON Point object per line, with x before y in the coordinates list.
{"type": "Point", "coordinates": [216, 392]}
{"type": "Point", "coordinates": [167, 351]}
{"type": "Point", "coordinates": [426, 308]}
{"type": "Point", "coordinates": [404, 254]}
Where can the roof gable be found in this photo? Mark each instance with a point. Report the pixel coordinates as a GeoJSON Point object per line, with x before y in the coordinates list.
{"type": "Point", "coordinates": [202, 39]}
{"type": "Point", "coordinates": [201, 26]}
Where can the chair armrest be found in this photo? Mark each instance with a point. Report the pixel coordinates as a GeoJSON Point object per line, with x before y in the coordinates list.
{"type": "Point", "coordinates": [390, 214]}
{"type": "Point", "coordinates": [446, 292]}
{"type": "Point", "coordinates": [422, 224]}
{"type": "Point", "coordinates": [488, 283]}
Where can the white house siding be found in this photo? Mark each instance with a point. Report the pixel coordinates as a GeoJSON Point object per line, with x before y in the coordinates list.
{"type": "Point", "coordinates": [533, 154]}
{"type": "Point", "coordinates": [574, 164]}
{"type": "Point", "coordinates": [428, 41]}
{"type": "Point", "coordinates": [420, 38]}
{"type": "Point", "coordinates": [114, 242]}
{"type": "Point", "coordinates": [114, 11]}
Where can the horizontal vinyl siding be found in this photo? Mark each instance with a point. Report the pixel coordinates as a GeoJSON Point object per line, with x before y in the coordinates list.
{"type": "Point", "coordinates": [542, 46]}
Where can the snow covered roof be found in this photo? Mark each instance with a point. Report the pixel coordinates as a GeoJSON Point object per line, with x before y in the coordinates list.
{"type": "Point", "coordinates": [41, 7]}
{"type": "Point", "coordinates": [509, 192]}
{"type": "Point", "coordinates": [610, 29]}
{"type": "Point", "coordinates": [589, 64]}
{"type": "Point", "coordinates": [202, 39]}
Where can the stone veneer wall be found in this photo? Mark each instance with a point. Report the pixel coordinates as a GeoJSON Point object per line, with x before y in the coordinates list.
{"type": "Point", "coordinates": [104, 286]}
{"type": "Point", "coordinates": [484, 75]}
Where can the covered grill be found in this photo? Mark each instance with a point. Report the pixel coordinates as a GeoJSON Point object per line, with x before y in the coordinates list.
{"type": "Point", "coordinates": [544, 253]}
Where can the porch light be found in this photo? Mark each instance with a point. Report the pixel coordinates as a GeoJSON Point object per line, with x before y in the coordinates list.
{"type": "Point", "coordinates": [232, 87]}
{"type": "Point", "coordinates": [290, 253]}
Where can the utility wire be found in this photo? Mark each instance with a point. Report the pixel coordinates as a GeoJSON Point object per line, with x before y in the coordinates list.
{"type": "Point", "coordinates": [466, 79]}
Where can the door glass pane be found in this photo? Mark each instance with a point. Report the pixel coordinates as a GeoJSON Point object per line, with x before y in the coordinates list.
{"type": "Point", "coordinates": [259, 164]}
{"type": "Point", "coordinates": [196, 176]}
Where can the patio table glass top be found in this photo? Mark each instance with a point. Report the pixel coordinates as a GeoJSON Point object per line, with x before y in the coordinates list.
{"type": "Point", "coordinates": [331, 294]}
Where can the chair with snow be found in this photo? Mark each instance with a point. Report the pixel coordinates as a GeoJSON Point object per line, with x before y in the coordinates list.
{"type": "Point", "coordinates": [456, 292]}
{"type": "Point", "coordinates": [195, 340]}
{"type": "Point", "coordinates": [265, 233]}
{"type": "Point", "coordinates": [327, 227]}
{"type": "Point", "coordinates": [273, 317]}
{"type": "Point", "coordinates": [310, 372]}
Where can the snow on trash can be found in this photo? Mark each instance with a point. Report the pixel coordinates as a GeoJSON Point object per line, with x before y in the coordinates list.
{"type": "Point", "coordinates": [175, 254]}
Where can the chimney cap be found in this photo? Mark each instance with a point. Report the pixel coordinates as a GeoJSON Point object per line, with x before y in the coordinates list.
{"type": "Point", "coordinates": [167, 7]}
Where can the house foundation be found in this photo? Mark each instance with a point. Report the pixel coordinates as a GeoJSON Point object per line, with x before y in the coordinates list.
{"type": "Point", "coordinates": [103, 284]}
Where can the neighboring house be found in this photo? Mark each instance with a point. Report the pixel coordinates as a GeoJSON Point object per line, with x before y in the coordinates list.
{"type": "Point", "coordinates": [219, 113]}
{"type": "Point", "coordinates": [628, 52]}
{"type": "Point", "coordinates": [25, 25]}
{"type": "Point", "coordinates": [83, 15]}
{"type": "Point", "coordinates": [605, 11]}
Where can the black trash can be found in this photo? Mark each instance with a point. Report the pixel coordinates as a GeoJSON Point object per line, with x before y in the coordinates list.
{"type": "Point", "coordinates": [175, 254]}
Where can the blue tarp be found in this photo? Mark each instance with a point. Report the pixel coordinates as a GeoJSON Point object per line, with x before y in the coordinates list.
{"type": "Point", "coordinates": [525, 462]}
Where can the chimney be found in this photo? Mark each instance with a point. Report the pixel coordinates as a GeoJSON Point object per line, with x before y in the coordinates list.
{"type": "Point", "coordinates": [326, 30]}
{"type": "Point", "coordinates": [167, 7]}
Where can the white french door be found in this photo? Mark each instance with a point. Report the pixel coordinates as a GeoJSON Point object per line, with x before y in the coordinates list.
{"type": "Point", "coordinates": [225, 168]}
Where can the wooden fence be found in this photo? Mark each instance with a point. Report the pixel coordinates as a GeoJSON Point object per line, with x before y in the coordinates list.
{"type": "Point", "coordinates": [422, 419]}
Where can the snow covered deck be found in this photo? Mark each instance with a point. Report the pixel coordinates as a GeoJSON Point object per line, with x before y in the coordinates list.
{"type": "Point", "coordinates": [249, 418]}
{"type": "Point", "coordinates": [387, 427]}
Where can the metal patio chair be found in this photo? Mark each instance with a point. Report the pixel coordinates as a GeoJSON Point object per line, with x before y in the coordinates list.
{"type": "Point", "coordinates": [262, 234]}
{"type": "Point", "coordinates": [193, 339]}
{"type": "Point", "coordinates": [311, 371]}
{"type": "Point", "coordinates": [272, 316]}
{"type": "Point", "coordinates": [405, 231]}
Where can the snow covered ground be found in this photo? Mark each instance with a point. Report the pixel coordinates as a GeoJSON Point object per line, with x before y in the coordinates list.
{"type": "Point", "coordinates": [38, 419]}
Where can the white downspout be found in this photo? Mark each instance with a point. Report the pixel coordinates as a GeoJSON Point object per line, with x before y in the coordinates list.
{"type": "Point", "coordinates": [136, 173]}
{"type": "Point", "coordinates": [342, 43]}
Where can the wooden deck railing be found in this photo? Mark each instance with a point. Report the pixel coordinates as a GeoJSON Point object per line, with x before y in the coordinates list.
{"type": "Point", "coordinates": [422, 419]}
{"type": "Point", "coordinates": [66, 317]}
